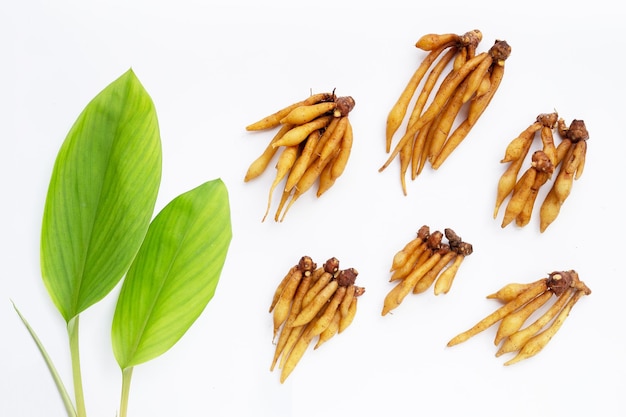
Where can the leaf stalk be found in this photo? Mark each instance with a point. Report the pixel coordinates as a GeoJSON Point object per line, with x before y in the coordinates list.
{"type": "Point", "coordinates": [72, 330]}
{"type": "Point", "coordinates": [127, 374]}
{"type": "Point", "coordinates": [67, 401]}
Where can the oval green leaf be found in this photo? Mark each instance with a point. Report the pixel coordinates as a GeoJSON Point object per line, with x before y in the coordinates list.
{"type": "Point", "coordinates": [174, 275]}
{"type": "Point", "coordinates": [101, 196]}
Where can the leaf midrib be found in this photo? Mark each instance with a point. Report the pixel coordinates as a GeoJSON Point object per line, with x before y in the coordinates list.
{"type": "Point", "coordinates": [88, 250]}
{"type": "Point", "coordinates": [149, 315]}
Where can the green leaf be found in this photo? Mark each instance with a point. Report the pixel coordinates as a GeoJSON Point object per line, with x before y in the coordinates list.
{"type": "Point", "coordinates": [101, 196]}
{"type": "Point", "coordinates": [174, 275]}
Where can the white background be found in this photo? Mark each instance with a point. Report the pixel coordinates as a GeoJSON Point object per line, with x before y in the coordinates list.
{"type": "Point", "coordinates": [214, 67]}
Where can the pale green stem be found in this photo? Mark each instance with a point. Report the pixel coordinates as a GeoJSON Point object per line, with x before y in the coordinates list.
{"type": "Point", "coordinates": [67, 401]}
{"type": "Point", "coordinates": [72, 330]}
{"type": "Point", "coordinates": [126, 377]}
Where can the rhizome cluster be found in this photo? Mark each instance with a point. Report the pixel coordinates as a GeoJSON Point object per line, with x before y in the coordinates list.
{"type": "Point", "coordinates": [440, 104]}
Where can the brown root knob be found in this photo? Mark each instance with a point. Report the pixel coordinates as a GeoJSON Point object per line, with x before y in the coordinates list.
{"type": "Point", "coordinates": [471, 38]}
{"type": "Point", "coordinates": [423, 233]}
{"type": "Point", "coordinates": [560, 281]}
{"type": "Point", "coordinates": [464, 249]}
{"type": "Point", "coordinates": [577, 131]}
{"type": "Point", "coordinates": [548, 119]}
{"type": "Point", "coordinates": [347, 277]}
{"type": "Point", "coordinates": [452, 237]}
{"type": "Point", "coordinates": [434, 240]}
{"type": "Point", "coordinates": [306, 265]}
{"type": "Point", "coordinates": [443, 249]}
{"type": "Point", "coordinates": [541, 162]}
{"type": "Point", "coordinates": [344, 106]}
{"type": "Point", "coordinates": [332, 265]}
{"type": "Point", "coordinates": [500, 51]}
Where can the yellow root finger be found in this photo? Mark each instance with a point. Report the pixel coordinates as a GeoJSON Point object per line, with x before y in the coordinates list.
{"type": "Point", "coordinates": [295, 355]}
{"type": "Point", "coordinates": [258, 166]}
{"type": "Point", "coordinates": [510, 291]}
{"type": "Point", "coordinates": [562, 150]}
{"type": "Point", "coordinates": [477, 107]}
{"type": "Point", "coordinates": [407, 285]}
{"type": "Point", "coordinates": [310, 176]}
{"type": "Point", "coordinates": [514, 321]}
{"type": "Point", "coordinates": [294, 334]}
{"type": "Point", "coordinates": [536, 289]}
{"type": "Point", "coordinates": [479, 103]}
{"type": "Point", "coordinates": [453, 141]}
{"type": "Point", "coordinates": [283, 200]}
{"type": "Point", "coordinates": [299, 133]}
{"type": "Point", "coordinates": [324, 320]}
{"type": "Point", "coordinates": [476, 77]}
{"type": "Point", "coordinates": [285, 161]}
{"type": "Point", "coordinates": [401, 257]}
{"type": "Point", "coordinates": [581, 155]}
{"type": "Point", "coordinates": [518, 148]}
{"type": "Point", "coordinates": [563, 182]}
{"type": "Point", "coordinates": [318, 98]}
{"type": "Point", "coordinates": [548, 144]}
{"type": "Point", "coordinates": [326, 181]}
{"type": "Point", "coordinates": [341, 160]}
{"type": "Point", "coordinates": [523, 218]}
{"type": "Point", "coordinates": [415, 259]}
{"type": "Point", "coordinates": [446, 90]}
{"type": "Point", "coordinates": [315, 275]}
{"type": "Point", "coordinates": [333, 142]}
{"type": "Point", "coordinates": [420, 145]}
{"type": "Point", "coordinates": [515, 341]}
{"type": "Point", "coordinates": [460, 58]}
{"type": "Point", "coordinates": [273, 120]}
{"type": "Point", "coordinates": [391, 299]}
{"type": "Point", "coordinates": [405, 160]}
{"type": "Point", "coordinates": [280, 345]}
{"type": "Point", "coordinates": [429, 85]}
{"type": "Point", "coordinates": [281, 286]}
{"type": "Point", "coordinates": [429, 277]}
{"type": "Point", "coordinates": [330, 331]}
{"type": "Point", "coordinates": [327, 132]}
{"type": "Point", "coordinates": [310, 310]}
{"type": "Point", "coordinates": [562, 186]}
{"type": "Point", "coordinates": [506, 184]}
{"type": "Point", "coordinates": [549, 210]}
{"type": "Point", "coordinates": [441, 129]}
{"type": "Point", "coordinates": [398, 111]}
{"type": "Point", "coordinates": [347, 300]}
{"type": "Point", "coordinates": [444, 282]}
{"type": "Point", "coordinates": [304, 114]}
{"type": "Point", "coordinates": [519, 197]}
{"type": "Point", "coordinates": [316, 287]}
{"type": "Point", "coordinates": [485, 85]}
{"type": "Point", "coordinates": [346, 319]}
{"type": "Point", "coordinates": [330, 268]}
{"type": "Point", "coordinates": [281, 310]}
{"type": "Point", "coordinates": [296, 305]}
{"type": "Point", "coordinates": [432, 41]}
{"type": "Point", "coordinates": [539, 341]}
{"type": "Point", "coordinates": [303, 161]}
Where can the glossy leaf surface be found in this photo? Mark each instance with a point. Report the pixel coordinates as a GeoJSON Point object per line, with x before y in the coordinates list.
{"type": "Point", "coordinates": [174, 275]}
{"type": "Point", "coordinates": [101, 196]}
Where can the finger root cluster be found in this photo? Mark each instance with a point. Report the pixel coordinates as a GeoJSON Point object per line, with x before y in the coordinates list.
{"type": "Point", "coordinates": [433, 132]}
{"type": "Point", "coordinates": [314, 143]}
{"type": "Point", "coordinates": [322, 304]}
{"type": "Point", "coordinates": [567, 159]}
{"type": "Point", "coordinates": [425, 260]}
{"type": "Point", "coordinates": [530, 314]}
